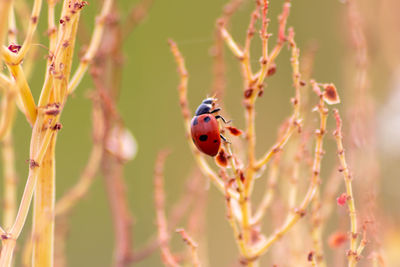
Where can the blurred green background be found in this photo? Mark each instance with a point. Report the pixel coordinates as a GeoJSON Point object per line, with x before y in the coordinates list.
{"type": "Point", "coordinates": [149, 106]}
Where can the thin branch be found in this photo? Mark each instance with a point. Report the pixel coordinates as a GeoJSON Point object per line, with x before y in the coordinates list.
{"type": "Point", "coordinates": [353, 254]}
{"type": "Point", "coordinates": [192, 245]}
{"type": "Point", "coordinates": [159, 200]}
{"type": "Point", "coordinates": [24, 92]}
{"type": "Point", "coordinates": [4, 14]}
{"type": "Point", "coordinates": [10, 181]}
{"type": "Point", "coordinates": [7, 112]}
{"type": "Point", "coordinates": [93, 46]}
{"type": "Point", "coordinates": [16, 59]}
{"type": "Point", "coordinates": [204, 166]}
{"type": "Point", "coordinates": [80, 189]}
{"type": "Point", "coordinates": [136, 15]}
{"type": "Point", "coordinates": [292, 218]}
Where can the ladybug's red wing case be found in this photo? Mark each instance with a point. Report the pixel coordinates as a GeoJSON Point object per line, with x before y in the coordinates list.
{"type": "Point", "coordinates": [205, 134]}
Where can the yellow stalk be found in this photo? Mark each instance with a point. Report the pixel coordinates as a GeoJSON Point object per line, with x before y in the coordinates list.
{"type": "Point", "coordinates": [44, 204]}
{"type": "Point", "coordinates": [10, 182]}
{"type": "Point", "coordinates": [16, 59]}
{"type": "Point", "coordinates": [7, 112]}
{"type": "Point", "coordinates": [24, 91]}
{"type": "Point", "coordinates": [4, 11]}
{"type": "Point", "coordinates": [5, 83]}
{"type": "Point", "coordinates": [93, 47]}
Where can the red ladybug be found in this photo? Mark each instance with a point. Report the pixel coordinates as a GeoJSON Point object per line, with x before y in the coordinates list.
{"type": "Point", "coordinates": [205, 129]}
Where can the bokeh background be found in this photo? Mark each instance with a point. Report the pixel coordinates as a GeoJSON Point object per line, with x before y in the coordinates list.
{"type": "Point", "coordinates": [150, 109]}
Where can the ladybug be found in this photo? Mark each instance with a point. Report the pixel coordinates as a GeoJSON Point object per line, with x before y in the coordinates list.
{"type": "Point", "coordinates": [205, 129]}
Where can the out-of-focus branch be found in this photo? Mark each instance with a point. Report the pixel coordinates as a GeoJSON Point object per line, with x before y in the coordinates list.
{"type": "Point", "coordinates": [136, 15]}
{"type": "Point", "coordinates": [10, 181]}
{"type": "Point", "coordinates": [159, 200]}
{"type": "Point", "coordinates": [192, 245]}
{"type": "Point", "coordinates": [93, 46]}
{"type": "Point", "coordinates": [80, 189]}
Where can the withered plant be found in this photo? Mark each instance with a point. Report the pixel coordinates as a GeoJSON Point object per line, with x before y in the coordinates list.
{"type": "Point", "coordinates": [43, 115]}
{"type": "Point", "coordinates": [294, 182]}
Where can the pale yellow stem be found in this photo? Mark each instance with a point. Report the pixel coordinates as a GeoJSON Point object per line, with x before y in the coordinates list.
{"type": "Point", "coordinates": [5, 6]}
{"type": "Point", "coordinates": [93, 46]}
{"type": "Point", "coordinates": [5, 83]}
{"type": "Point", "coordinates": [24, 92]}
{"type": "Point", "coordinates": [16, 59]}
{"type": "Point", "coordinates": [43, 244]}
{"type": "Point", "coordinates": [7, 112]}
{"type": "Point", "coordinates": [10, 182]}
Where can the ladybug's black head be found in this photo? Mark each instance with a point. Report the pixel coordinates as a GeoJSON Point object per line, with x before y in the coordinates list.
{"type": "Point", "coordinates": [205, 106]}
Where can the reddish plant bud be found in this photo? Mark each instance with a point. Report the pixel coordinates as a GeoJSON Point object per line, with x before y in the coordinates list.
{"type": "Point", "coordinates": [242, 177]}
{"type": "Point", "coordinates": [248, 93]}
{"type": "Point", "coordinates": [342, 199]}
{"type": "Point", "coordinates": [14, 48]}
{"type": "Point", "coordinates": [310, 256]}
{"type": "Point", "coordinates": [222, 158]}
{"type": "Point", "coordinates": [261, 92]}
{"type": "Point", "coordinates": [337, 239]}
{"type": "Point", "coordinates": [330, 94]}
{"type": "Point", "coordinates": [234, 131]}
{"type": "Point", "coordinates": [271, 70]}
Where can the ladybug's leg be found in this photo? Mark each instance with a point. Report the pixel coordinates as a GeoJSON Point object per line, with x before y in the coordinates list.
{"type": "Point", "coordinates": [222, 118]}
{"type": "Point", "coordinates": [224, 139]}
{"type": "Point", "coordinates": [215, 110]}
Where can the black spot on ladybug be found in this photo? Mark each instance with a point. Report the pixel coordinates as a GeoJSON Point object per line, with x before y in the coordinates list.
{"type": "Point", "coordinates": [207, 119]}
{"type": "Point", "coordinates": [203, 137]}
{"type": "Point", "coordinates": [195, 121]}
{"type": "Point", "coordinates": [215, 141]}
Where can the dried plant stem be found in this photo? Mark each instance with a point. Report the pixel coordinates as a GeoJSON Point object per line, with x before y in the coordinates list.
{"type": "Point", "coordinates": [69, 200]}
{"type": "Point", "coordinates": [300, 211]}
{"type": "Point", "coordinates": [354, 253]}
{"type": "Point", "coordinates": [238, 52]}
{"type": "Point", "coordinates": [192, 245]}
{"type": "Point", "coordinates": [253, 90]}
{"type": "Point", "coordinates": [204, 166]}
{"type": "Point", "coordinates": [16, 59]}
{"type": "Point", "coordinates": [52, 33]}
{"type": "Point", "coordinates": [316, 229]}
{"type": "Point", "coordinates": [44, 203]}
{"type": "Point", "coordinates": [10, 181]}
{"type": "Point", "coordinates": [237, 233]}
{"type": "Point", "coordinates": [4, 11]}
{"type": "Point", "coordinates": [159, 200]}
{"type": "Point", "coordinates": [24, 91]}
{"type": "Point", "coordinates": [37, 154]}
{"type": "Point", "coordinates": [122, 218]}
{"type": "Point", "coordinates": [5, 82]}
{"type": "Point", "coordinates": [7, 112]}
{"type": "Point", "coordinates": [178, 211]}
{"type": "Point", "coordinates": [80, 189]}
{"type": "Point", "coordinates": [93, 46]}
{"type": "Point", "coordinates": [12, 26]}
{"type": "Point", "coordinates": [268, 196]}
